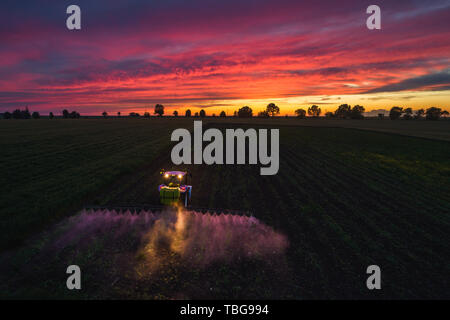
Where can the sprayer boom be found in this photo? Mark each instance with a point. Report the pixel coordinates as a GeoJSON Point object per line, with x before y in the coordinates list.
{"type": "Point", "coordinates": [158, 208]}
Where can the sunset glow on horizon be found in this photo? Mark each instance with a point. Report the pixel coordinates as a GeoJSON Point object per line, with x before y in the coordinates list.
{"type": "Point", "coordinates": [130, 55]}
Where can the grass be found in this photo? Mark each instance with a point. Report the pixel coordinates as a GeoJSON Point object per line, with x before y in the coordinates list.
{"type": "Point", "coordinates": [344, 198]}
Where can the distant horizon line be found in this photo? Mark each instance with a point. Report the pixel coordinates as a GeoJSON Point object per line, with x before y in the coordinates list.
{"type": "Point", "coordinates": [374, 112]}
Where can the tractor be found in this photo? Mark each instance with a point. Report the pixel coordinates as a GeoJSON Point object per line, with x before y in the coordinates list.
{"type": "Point", "coordinates": [174, 188]}
{"type": "Point", "coordinates": [174, 191]}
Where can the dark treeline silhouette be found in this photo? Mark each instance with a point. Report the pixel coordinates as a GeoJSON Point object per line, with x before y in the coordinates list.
{"type": "Point", "coordinates": [21, 114]}
{"type": "Point", "coordinates": [245, 112]}
{"type": "Point", "coordinates": [272, 109]}
{"type": "Point", "coordinates": [7, 115]}
{"type": "Point", "coordinates": [263, 114]}
{"type": "Point", "coordinates": [159, 109]}
{"type": "Point", "coordinates": [314, 111]}
{"type": "Point", "coordinates": [344, 111]}
{"type": "Point", "coordinates": [26, 114]}
{"type": "Point", "coordinates": [70, 115]}
{"type": "Point", "coordinates": [432, 113]}
{"type": "Point", "coordinates": [17, 114]}
{"type": "Point", "coordinates": [300, 113]}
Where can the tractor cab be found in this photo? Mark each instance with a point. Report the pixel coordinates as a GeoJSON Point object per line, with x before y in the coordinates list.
{"type": "Point", "coordinates": [174, 188]}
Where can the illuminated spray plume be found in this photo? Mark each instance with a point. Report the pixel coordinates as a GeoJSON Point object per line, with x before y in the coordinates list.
{"type": "Point", "coordinates": [196, 238]}
{"type": "Point", "coordinates": [201, 239]}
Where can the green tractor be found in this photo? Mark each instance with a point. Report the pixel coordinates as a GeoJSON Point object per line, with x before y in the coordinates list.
{"type": "Point", "coordinates": [174, 188]}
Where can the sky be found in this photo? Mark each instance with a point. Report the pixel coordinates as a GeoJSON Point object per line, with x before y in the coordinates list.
{"type": "Point", "coordinates": [222, 55]}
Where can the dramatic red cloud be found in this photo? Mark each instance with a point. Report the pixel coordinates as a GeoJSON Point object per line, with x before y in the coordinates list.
{"type": "Point", "coordinates": [130, 55]}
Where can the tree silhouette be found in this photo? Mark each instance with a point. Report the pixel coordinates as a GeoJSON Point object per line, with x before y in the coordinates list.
{"type": "Point", "coordinates": [35, 115]}
{"type": "Point", "coordinates": [105, 114]}
{"type": "Point", "coordinates": [223, 114]}
{"type": "Point", "coordinates": [118, 114]}
{"type": "Point", "coordinates": [175, 113]}
{"type": "Point", "coordinates": [74, 115]}
{"type": "Point", "coordinates": [50, 115]}
{"type": "Point", "coordinates": [146, 114]}
{"type": "Point", "coordinates": [343, 111]}
{"type": "Point", "coordinates": [159, 109]}
{"type": "Point", "coordinates": [263, 114]}
{"type": "Point", "coordinates": [65, 114]}
{"type": "Point", "coordinates": [26, 113]}
{"type": "Point", "coordinates": [314, 111]}
{"type": "Point", "coordinates": [245, 112]}
{"type": "Point", "coordinates": [301, 113]}
{"type": "Point", "coordinates": [419, 114]}
{"type": "Point", "coordinates": [7, 115]}
{"type": "Point", "coordinates": [21, 114]}
{"type": "Point", "coordinates": [407, 114]}
{"type": "Point", "coordinates": [357, 112]}
{"type": "Point", "coordinates": [433, 113]}
{"type": "Point", "coordinates": [17, 114]}
{"type": "Point", "coordinates": [272, 109]}
{"type": "Point", "coordinates": [188, 113]}
{"type": "Point", "coordinates": [202, 113]}
{"type": "Point", "coordinates": [395, 113]}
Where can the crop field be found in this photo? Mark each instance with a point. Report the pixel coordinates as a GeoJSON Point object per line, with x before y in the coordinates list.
{"type": "Point", "coordinates": [50, 168]}
{"type": "Point", "coordinates": [343, 199]}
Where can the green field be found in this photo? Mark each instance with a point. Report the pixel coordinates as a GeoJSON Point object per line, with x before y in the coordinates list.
{"type": "Point", "coordinates": [50, 168]}
{"type": "Point", "coordinates": [344, 198]}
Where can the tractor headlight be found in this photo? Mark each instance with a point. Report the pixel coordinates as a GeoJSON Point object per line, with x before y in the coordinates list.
{"type": "Point", "coordinates": [166, 175]}
{"type": "Point", "coordinates": [180, 176]}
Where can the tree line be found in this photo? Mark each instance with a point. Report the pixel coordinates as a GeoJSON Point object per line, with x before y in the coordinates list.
{"type": "Point", "coordinates": [344, 111]}
{"type": "Point", "coordinates": [26, 114]}
{"type": "Point", "coordinates": [432, 113]}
